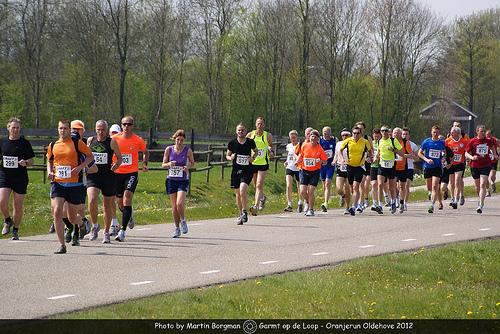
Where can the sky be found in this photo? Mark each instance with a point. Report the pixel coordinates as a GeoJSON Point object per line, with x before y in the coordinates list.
{"type": "Point", "coordinates": [450, 9]}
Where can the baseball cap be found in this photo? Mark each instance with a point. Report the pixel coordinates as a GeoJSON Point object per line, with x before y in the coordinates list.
{"type": "Point", "coordinates": [115, 128]}
{"type": "Point", "coordinates": [77, 124]}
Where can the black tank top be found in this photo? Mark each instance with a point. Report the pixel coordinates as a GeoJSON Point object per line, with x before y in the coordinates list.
{"type": "Point", "coordinates": [103, 154]}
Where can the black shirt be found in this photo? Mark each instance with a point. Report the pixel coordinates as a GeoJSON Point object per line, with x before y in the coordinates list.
{"type": "Point", "coordinates": [11, 152]}
{"type": "Point", "coordinates": [103, 155]}
{"type": "Point", "coordinates": [243, 152]}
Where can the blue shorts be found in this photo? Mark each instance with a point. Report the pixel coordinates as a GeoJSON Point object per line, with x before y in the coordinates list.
{"type": "Point", "coordinates": [326, 172]}
{"type": "Point", "coordinates": [72, 195]}
{"type": "Point", "coordinates": [174, 186]}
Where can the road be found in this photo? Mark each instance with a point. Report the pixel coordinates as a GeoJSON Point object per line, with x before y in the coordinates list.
{"type": "Point", "coordinates": [38, 283]}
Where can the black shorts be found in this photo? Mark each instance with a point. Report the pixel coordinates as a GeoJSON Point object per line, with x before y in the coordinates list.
{"type": "Point", "coordinates": [72, 195]}
{"type": "Point", "coordinates": [433, 172]}
{"type": "Point", "coordinates": [388, 173]}
{"type": "Point", "coordinates": [355, 174]}
{"type": "Point", "coordinates": [445, 178]}
{"type": "Point", "coordinates": [126, 182]}
{"type": "Point", "coordinates": [293, 173]}
{"type": "Point", "coordinates": [373, 173]}
{"type": "Point", "coordinates": [401, 175]}
{"type": "Point", "coordinates": [105, 182]}
{"type": "Point", "coordinates": [308, 178]}
{"type": "Point", "coordinates": [477, 172]}
{"type": "Point", "coordinates": [18, 185]}
{"type": "Point", "coordinates": [494, 165]}
{"type": "Point", "coordinates": [409, 174]}
{"type": "Point", "coordinates": [341, 173]}
{"type": "Point", "coordinates": [83, 194]}
{"type": "Point", "coordinates": [456, 168]}
{"type": "Point", "coordinates": [259, 168]}
{"type": "Point", "coordinates": [239, 176]}
{"type": "Point", "coordinates": [368, 167]}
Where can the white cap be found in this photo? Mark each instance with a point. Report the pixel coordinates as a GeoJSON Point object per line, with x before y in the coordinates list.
{"type": "Point", "coordinates": [114, 129]}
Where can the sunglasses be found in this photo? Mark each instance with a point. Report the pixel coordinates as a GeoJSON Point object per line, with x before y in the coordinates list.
{"type": "Point", "coordinates": [356, 133]}
{"type": "Point", "coordinates": [384, 130]}
{"type": "Point", "coordinates": [127, 124]}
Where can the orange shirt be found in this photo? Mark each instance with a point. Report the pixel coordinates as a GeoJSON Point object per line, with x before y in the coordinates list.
{"type": "Point", "coordinates": [311, 156]}
{"type": "Point", "coordinates": [401, 161]}
{"type": "Point", "coordinates": [65, 159]}
{"type": "Point", "coordinates": [458, 148]}
{"type": "Point", "coordinates": [129, 148]}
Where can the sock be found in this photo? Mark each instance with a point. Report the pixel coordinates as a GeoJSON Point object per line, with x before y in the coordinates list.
{"type": "Point", "coordinates": [114, 222]}
{"type": "Point", "coordinates": [401, 201]}
{"type": "Point", "coordinates": [290, 203]}
{"type": "Point", "coordinates": [127, 213]}
{"type": "Point", "coordinates": [68, 224]}
{"type": "Point", "coordinates": [300, 201]}
{"type": "Point", "coordinates": [8, 219]}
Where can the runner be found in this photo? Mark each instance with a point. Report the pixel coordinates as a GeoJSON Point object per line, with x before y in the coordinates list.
{"type": "Point", "coordinates": [431, 152]}
{"type": "Point", "coordinates": [457, 144]}
{"type": "Point", "coordinates": [307, 134]}
{"type": "Point", "coordinates": [377, 201]}
{"type": "Point", "coordinates": [178, 159]}
{"type": "Point", "coordinates": [401, 166]}
{"type": "Point", "coordinates": [494, 164]}
{"type": "Point", "coordinates": [365, 183]}
{"type": "Point", "coordinates": [311, 157]}
{"type": "Point", "coordinates": [241, 151]}
{"type": "Point", "coordinates": [388, 147]}
{"type": "Point", "coordinates": [16, 154]}
{"type": "Point", "coordinates": [127, 175]}
{"type": "Point", "coordinates": [63, 169]}
{"type": "Point", "coordinates": [264, 142]}
{"type": "Point", "coordinates": [478, 151]}
{"type": "Point", "coordinates": [411, 167]}
{"type": "Point", "coordinates": [115, 227]}
{"type": "Point", "coordinates": [356, 147]}
{"type": "Point", "coordinates": [341, 182]}
{"type": "Point", "coordinates": [103, 148]}
{"type": "Point", "coordinates": [328, 144]}
{"type": "Point", "coordinates": [292, 172]}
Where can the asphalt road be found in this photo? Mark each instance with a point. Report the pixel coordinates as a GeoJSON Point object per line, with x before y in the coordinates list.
{"type": "Point", "coordinates": [38, 283]}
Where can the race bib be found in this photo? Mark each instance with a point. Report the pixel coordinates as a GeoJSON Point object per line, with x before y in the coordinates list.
{"type": "Point", "coordinates": [176, 171]}
{"type": "Point", "coordinates": [100, 158]}
{"type": "Point", "coordinates": [329, 154]}
{"type": "Point", "coordinates": [343, 168]}
{"type": "Point", "coordinates": [290, 158]}
{"type": "Point", "coordinates": [242, 160]}
{"type": "Point", "coordinates": [309, 162]}
{"type": "Point", "coordinates": [434, 154]}
{"type": "Point", "coordinates": [482, 149]}
{"type": "Point", "coordinates": [10, 162]}
{"type": "Point", "coordinates": [457, 157]}
{"type": "Point", "coordinates": [261, 152]}
{"type": "Point", "coordinates": [127, 159]}
{"type": "Point", "coordinates": [63, 172]}
{"type": "Point", "coordinates": [386, 163]}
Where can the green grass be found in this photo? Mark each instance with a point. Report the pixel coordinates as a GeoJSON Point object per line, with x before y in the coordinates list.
{"type": "Point", "coordinates": [460, 281]}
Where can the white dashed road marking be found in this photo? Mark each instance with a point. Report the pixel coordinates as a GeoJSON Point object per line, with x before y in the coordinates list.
{"type": "Point", "coordinates": [408, 240]}
{"type": "Point", "coordinates": [60, 297]}
{"type": "Point", "coordinates": [320, 253]}
{"type": "Point", "coordinates": [485, 229]}
{"type": "Point", "coordinates": [209, 272]}
{"type": "Point", "coordinates": [141, 283]}
{"type": "Point", "coordinates": [144, 229]}
{"type": "Point", "coordinates": [367, 246]}
{"type": "Point", "coordinates": [447, 234]}
{"type": "Point", "coordinates": [196, 224]}
{"type": "Point", "coordinates": [17, 241]}
{"type": "Point", "coordinates": [268, 262]}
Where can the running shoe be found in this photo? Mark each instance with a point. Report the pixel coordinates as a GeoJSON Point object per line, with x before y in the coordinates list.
{"type": "Point", "coordinates": [445, 195]}
{"type": "Point", "coordinates": [244, 216]}
{"type": "Point", "coordinates": [342, 201]}
{"type": "Point", "coordinates": [352, 212]}
{"type": "Point", "coordinates": [6, 226]}
{"type": "Point", "coordinates": [406, 206]}
{"type": "Point", "coordinates": [76, 239]}
{"type": "Point", "coordinates": [121, 236]}
{"type": "Point", "coordinates": [366, 204]}
{"type": "Point", "coordinates": [454, 205]}
{"type": "Point", "coordinates": [401, 208]}
{"type": "Point", "coordinates": [440, 206]}
{"type": "Point", "coordinates": [310, 213]}
{"type": "Point", "coordinates": [94, 232]}
{"type": "Point", "coordinates": [69, 232]}
{"type": "Point", "coordinates": [479, 209]}
{"type": "Point", "coordinates": [113, 231]}
{"type": "Point", "coordinates": [388, 204]}
{"type": "Point", "coordinates": [300, 208]}
{"type": "Point", "coordinates": [393, 208]}
{"type": "Point", "coordinates": [253, 210]}
{"type": "Point", "coordinates": [131, 223]}
{"type": "Point", "coordinates": [61, 250]}
{"type": "Point", "coordinates": [239, 221]}
{"type": "Point", "coordinates": [374, 208]}
{"type": "Point", "coordinates": [451, 203]}
{"type": "Point", "coordinates": [380, 210]}
{"type": "Point", "coordinates": [288, 209]}
{"type": "Point", "coordinates": [359, 208]}
{"type": "Point", "coordinates": [262, 202]}
{"type": "Point", "coordinates": [15, 234]}
{"type": "Point", "coordinates": [462, 201]}
{"type": "Point", "coordinates": [184, 226]}
{"type": "Point", "coordinates": [488, 193]}
{"type": "Point", "coordinates": [85, 228]}
{"type": "Point", "coordinates": [306, 207]}
{"type": "Point", "coordinates": [323, 208]}
{"type": "Point", "coordinates": [430, 209]}
{"type": "Point", "coordinates": [52, 228]}
{"type": "Point", "coordinates": [106, 239]}
{"type": "Point", "coordinates": [177, 233]}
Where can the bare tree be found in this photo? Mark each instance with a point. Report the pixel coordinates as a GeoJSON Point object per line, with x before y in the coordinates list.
{"type": "Point", "coordinates": [304, 12]}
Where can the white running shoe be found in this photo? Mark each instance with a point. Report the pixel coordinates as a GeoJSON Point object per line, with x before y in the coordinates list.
{"type": "Point", "coordinates": [121, 236]}
{"type": "Point", "coordinates": [106, 239]}
{"type": "Point", "coordinates": [177, 233]}
{"type": "Point", "coordinates": [310, 213]}
{"type": "Point", "coordinates": [184, 226]}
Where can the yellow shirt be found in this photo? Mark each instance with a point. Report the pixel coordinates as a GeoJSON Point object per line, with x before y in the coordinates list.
{"type": "Point", "coordinates": [356, 151]}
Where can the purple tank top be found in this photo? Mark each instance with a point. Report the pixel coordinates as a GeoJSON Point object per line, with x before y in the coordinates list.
{"type": "Point", "coordinates": [180, 159]}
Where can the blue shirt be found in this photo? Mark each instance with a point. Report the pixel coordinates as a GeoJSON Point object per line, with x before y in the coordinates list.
{"type": "Point", "coordinates": [329, 148]}
{"type": "Point", "coordinates": [433, 150]}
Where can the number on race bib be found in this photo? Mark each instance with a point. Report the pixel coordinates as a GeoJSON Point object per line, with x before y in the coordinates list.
{"type": "Point", "coordinates": [343, 167]}
{"type": "Point", "coordinates": [309, 162]}
{"type": "Point", "coordinates": [457, 157]}
{"type": "Point", "coordinates": [100, 158]}
{"type": "Point", "coordinates": [261, 152]}
{"type": "Point", "coordinates": [386, 163]}
{"type": "Point", "coordinates": [290, 158]}
{"type": "Point", "coordinates": [176, 171]}
{"type": "Point", "coordinates": [242, 160]}
{"type": "Point", "coordinates": [482, 149]}
{"type": "Point", "coordinates": [329, 154]}
{"type": "Point", "coordinates": [127, 159]}
{"type": "Point", "coordinates": [434, 154]}
{"type": "Point", "coordinates": [63, 172]}
{"type": "Point", "coordinates": [10, 162]}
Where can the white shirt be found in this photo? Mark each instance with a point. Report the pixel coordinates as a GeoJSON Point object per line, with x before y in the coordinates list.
{"type": "Point", "coordinates": [414, 149]}
{"type": "Point", "coordinates": [290, 160]}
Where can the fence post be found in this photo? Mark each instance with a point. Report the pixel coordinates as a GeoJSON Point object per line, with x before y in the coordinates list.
{"type": "Point", "coordinates": [192, 140]}
{"type": "Point", "coordinates": [208, 161]}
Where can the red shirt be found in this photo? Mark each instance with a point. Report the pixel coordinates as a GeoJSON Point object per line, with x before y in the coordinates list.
{"type": "Point", "coordinates": [480, 148]}
{"type": "Point", "coordinates": [495, 149]}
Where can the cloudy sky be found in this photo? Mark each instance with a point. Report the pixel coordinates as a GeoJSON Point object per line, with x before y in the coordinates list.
{"type": "Point", "coordinates": [450, 9]}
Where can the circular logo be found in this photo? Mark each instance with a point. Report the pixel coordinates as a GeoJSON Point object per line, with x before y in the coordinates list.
{"type": "Point", "coordinates": [249, 326]}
